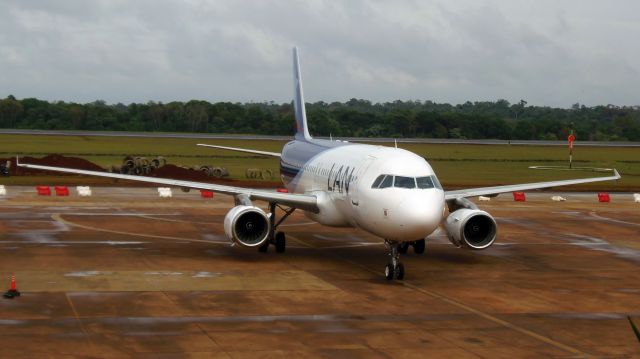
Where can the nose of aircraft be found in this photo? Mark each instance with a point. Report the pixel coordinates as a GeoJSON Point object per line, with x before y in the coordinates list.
{"type": "Point", "coordinates": [419, 214]}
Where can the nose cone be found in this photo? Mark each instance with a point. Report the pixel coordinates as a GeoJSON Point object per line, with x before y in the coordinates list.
{"type": "Point", "coordinates": [419, 213]}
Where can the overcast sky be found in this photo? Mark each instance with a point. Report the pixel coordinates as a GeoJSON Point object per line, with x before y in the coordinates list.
{"type": "Point", "coordinates": [547, 52]}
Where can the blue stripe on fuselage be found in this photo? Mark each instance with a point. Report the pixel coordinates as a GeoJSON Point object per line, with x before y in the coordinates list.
{"type": "Point", "coordinates": [296, 154]}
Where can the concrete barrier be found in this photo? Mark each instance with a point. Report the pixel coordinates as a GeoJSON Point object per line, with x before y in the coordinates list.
{"type": "Point", "coordinates": [636, 197]}
{"type": "Point", "coordinates": [483, 198]}
{"type": "Point", "coordinates": [604, 197]}
{"type": "Point", "coordinates": [165, 192]}
{"type": "Point", "coordinates": [84, 191]}
{"type": "Point", "coordinates": [558, 198]}
{"type": "Point", "coordinates": [43, 190]}
{"type": "Point", "coordinates": [519, 196]}
{"type": "Point", "coordinates": [3, 191]}
{"type": "Point", "coordinates": [206, 194]}
{"type": "Point", "coordinates": [62, 191]}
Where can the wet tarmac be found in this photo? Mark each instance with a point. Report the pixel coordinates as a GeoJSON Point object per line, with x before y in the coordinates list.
{"type": "Point", "coordinates": [125, 273]}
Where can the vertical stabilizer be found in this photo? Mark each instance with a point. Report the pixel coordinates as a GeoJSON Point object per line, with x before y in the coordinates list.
{"type": "Point", "coordinates": [302, 131]}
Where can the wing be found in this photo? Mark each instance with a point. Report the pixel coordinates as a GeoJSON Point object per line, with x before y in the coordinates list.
{"type": "Point", "coordinates": [302, 201]}
{"type": "Point", "coordinates": [483, 191]}
{"type": "Point", "coordinates": [264, 153]}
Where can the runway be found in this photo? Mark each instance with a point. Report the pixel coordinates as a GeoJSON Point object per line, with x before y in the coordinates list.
{"type": "Point", "coordinates": [212, 136]}
{"type": "Point", "coordinates": [126, 273]}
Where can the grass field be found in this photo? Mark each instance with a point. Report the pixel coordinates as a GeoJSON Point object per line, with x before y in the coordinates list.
{"type": "Point", "coordinates": [456, 165]}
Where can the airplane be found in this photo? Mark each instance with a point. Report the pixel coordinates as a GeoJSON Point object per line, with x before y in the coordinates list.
{"type": "Point", "coordinates": [389, 192]}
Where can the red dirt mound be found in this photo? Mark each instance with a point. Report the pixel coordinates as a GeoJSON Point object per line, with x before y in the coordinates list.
{"type": "Point", "coordinates": [173, 171]}
{"type": "Point", "coordinates": [51, 160]}
{"type": "Point", "coordinates": [167, 171]}
{"type": "Point", "coordinates": [187, 174]}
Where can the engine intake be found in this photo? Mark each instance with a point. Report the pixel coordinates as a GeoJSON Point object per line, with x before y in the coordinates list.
{"type": "Point", "coordinates": [471, 228]}
{"type": "Point", "coordinates": [247, 226]}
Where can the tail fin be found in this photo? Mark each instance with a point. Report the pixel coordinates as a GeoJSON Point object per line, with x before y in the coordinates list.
{"type": "Point", "coordinates": [302, 132]}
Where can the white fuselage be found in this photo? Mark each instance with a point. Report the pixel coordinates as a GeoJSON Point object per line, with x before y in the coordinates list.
{"type": "Point", "coordinates": [341, 176]}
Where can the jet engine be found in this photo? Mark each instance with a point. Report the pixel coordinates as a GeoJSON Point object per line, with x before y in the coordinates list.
{"type": "Point", "coordinates": [471, 228]}
{"type": "Point", "coordinates": [247, 226]}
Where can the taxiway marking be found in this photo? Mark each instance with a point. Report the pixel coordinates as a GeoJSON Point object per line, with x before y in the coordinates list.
{"type": "Point", "coordinates": [463, 306]}
{"type": "Point", "coordinates": [79, 320]}
{"type": "Point", "coordinates": [193, 222]}
{"type": "Point", "coordinates": [298, 224]}
{"type": "Point", "coordinates": [595, 215]}
{"type": "Point", "coordinates": [58, 218]}
{"type": "Point", "coordinates": [170, 219]}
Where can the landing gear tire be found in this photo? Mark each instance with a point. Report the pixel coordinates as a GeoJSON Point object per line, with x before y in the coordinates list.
{"type": "Point", "coordinates": [389, 272]}
{"type": "Point", "coordinates": [400, 271]}
{"type": "Point", "coordinates": [418, 246]}
{"type": "Point", "coordinates": [394, 269]}
{"type": "Point", "coordinates": [280, 242]}
{"type": "Point", "coordinates": [403, 247]}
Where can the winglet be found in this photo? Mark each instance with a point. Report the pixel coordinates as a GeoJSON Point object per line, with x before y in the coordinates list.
{"type": "Point", "coordinates": [302, 132]}
{"type": "Point", "coordinates": [616, 174]}
{"type": "Point", "coordinates": [17, 161]}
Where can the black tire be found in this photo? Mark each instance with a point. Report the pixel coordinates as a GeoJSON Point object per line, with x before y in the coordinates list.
{"type": "Point", "coordinates": [281, 242]}
{"type": "Point", "coordinates": [400, 271]}
{"type": "Point", "coordinates": [418, 246]}
{"type": "Point", "coordinates": [264, 247]}
{"type": "Point", "coordinates": [403, 247]}
{"type": "Point", "coordinates": [389, 272]}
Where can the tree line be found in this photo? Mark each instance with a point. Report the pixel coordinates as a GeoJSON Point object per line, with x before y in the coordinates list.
{"type": "Point", "coordinates": [353, 118]}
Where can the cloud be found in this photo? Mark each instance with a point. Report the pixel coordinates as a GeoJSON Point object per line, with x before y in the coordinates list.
{"type": "Point", "coordinates": [546, 52]}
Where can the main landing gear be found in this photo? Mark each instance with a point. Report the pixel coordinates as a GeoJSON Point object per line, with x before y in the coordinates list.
{"type": "Point", "coordinates": [278, 239]}
{"type": "Point", "coordinates": [395, 269]}
{"type": "Point", "coordinates": [418, 246]}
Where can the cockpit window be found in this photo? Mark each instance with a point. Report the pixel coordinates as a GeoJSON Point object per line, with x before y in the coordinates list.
{"type": "Point", "coordinates": [436, 182]}
{"type": "Point", "coordinates": [386, 182]}
{"type": "Point", "coordinates": [376, 183]}
{"type": "Point", "coordinates": [404, 182]}
{"type": "Point", "coordinates": [425, 182]}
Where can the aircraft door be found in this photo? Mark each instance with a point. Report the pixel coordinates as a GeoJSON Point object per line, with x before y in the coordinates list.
{"type": "Point", "coordinates": [354, 194]}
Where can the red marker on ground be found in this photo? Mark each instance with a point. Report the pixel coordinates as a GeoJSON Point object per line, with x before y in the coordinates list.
{"type": "Point", "coordinates": [13, 291]}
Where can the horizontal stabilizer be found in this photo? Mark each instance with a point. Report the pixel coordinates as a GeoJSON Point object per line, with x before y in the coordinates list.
{"type": "Point", "coordinates": [255, 152]}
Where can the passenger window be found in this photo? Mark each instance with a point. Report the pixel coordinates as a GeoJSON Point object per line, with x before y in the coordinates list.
{"type": "Point", "coordinates": [376, 183]}
{"type": "Point", "coordinates": [425, 182]}
{"type": "Point", "coordinates": [404, 182]}
{"type": "Point", "coordinates": [387, 182]}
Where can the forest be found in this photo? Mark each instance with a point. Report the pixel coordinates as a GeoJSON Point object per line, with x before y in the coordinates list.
{"type": "Point", "coordinates": [353, 118]}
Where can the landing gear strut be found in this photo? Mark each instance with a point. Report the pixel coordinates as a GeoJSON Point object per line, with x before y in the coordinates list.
{"type": "Point", "coordinates": [278, 239]}
{"type": "Point", "coordinates": [394, 269]}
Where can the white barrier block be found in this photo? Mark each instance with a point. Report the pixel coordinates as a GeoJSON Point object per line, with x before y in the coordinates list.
{"type": "Point", "coordinates": [3, 191]}
{"type": "Point", "coordinates": [558, 198]}
{"type": "Point", "coordinates": [84, 191]}
{"type": "Point", "coordinates": [164, 192]}
{"type": "Point", "coordinates": [483, 198]}
{"type": "Point", "coordinates": [636, 197]}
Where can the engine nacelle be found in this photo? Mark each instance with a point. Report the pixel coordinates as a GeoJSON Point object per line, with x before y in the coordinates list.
{"type": "Point", "coordinates": [247, 226]}
{"type": "Point", "coordinates": [471, 228]}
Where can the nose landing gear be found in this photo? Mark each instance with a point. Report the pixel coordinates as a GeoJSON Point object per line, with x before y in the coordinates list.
{"type": "Point", "coordinates": [394, 268]}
